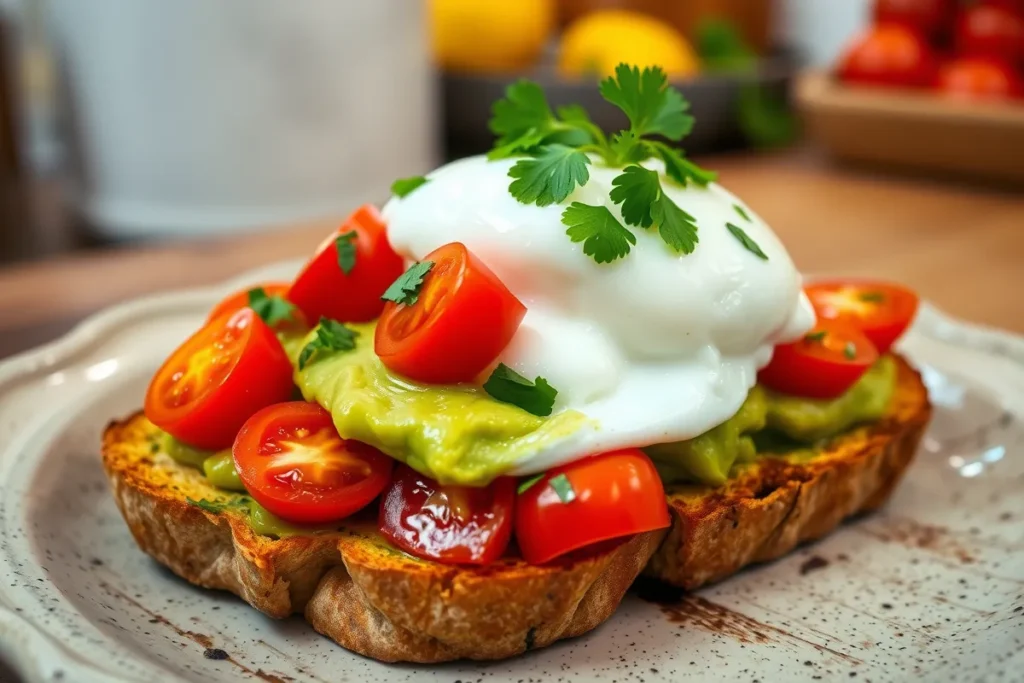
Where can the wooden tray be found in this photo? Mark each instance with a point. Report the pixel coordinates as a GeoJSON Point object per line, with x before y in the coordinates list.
{"type": "Point", "coordinates": [918, 131]}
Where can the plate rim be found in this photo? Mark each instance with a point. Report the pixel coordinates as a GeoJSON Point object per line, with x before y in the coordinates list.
{"type": "Point", "coordinates": [33, 652]}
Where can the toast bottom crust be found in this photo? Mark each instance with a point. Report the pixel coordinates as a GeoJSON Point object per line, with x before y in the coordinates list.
{"type": "Point", "coordinates": [778, 503]}
{"type": "Point", "coordinates": [351, 585]}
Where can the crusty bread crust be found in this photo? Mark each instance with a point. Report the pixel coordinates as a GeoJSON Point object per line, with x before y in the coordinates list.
{"type": "Point", "coordinates": [778, 503]}
{"type": "Point", "coordinates": [351, 585]}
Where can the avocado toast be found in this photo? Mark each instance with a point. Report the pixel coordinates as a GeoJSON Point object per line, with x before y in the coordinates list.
{"type": "Point", "coordinates": [474, 417]}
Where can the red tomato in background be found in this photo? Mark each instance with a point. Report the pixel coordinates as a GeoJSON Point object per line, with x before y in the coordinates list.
{"type": "Point", "coordinates": [217, 379]}
{"type": "Point", "coordinates": [323, 289]}
{"type": "Point", "coordinates": [882, 311]}
{"type": "Point", "coordinates": [889, 55]}
{"type": "Point", "coordinates": [462, 319]}
{"type": "Point", "coordinates": [449, 524]}
{"type": "Point", "coordinates": [602, 497]}
{"type": "Point", "coordinates": [930, 17]}
{"type": "Point", "coordinates": [825, 363]}
{"type": "Point", "coordinates": [292, 461]}
{"type": "Point", "coordinates": [991, 31]}
{"type": "Point", "coordinates": [979, 78]}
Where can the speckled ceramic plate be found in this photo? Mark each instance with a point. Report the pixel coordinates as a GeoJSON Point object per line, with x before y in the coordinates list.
{"type": "Point", "coordinates": [929, 589]}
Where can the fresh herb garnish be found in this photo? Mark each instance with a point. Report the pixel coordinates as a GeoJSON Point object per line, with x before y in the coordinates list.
{"type": "Point", "coordinates": [526, 484]}
{"type": "Point", "coordinates": [549, 177]}
{"type": "Point", "coordinates": [558, 145]}
{"type": "Point", "coordinates": [272, 309]}
{"type": "Point", "coordinates": [404, 186]}
{"type": "Point", "coordinates": [330, 336]}
{"type": "Point", "coordinates": [218, 506]}
{"type": "Point", "coordinates": [749, 244]}
{"type": "Point", "coordinates": [850, 350]}
{"type": "Point", "coordinates": [346, 248]}
{"type": "Point", "coordinates": [871, 297]}
{"type": "Point", "coordinates": [406, 289]}
{"type": "Point", "coordinates": [815, 336]}
{"type": "Point", "coordinates": [742, 212]}
{"type": "Point", "coordinates": [563, 487]}
{"type": "Point", "coordinates": [603, 236]}
{"type": "Point", "coordinates": [507, 385]}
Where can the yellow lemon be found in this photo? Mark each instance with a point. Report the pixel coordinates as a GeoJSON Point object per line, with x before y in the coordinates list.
{"type": "Point", "coordinates": [596, 43]}
{"type": "Point", "coordinates": [489, 35]}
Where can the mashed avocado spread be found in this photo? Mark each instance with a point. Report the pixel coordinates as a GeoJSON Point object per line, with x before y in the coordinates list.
{"type": "Point", "coordinates": [461, 435]}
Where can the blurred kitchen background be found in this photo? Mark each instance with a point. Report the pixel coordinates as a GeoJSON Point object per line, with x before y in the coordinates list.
{"type": "Point", "coordinates": [129, 120]}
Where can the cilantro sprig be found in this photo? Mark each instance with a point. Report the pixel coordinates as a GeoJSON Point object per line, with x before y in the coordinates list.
{"type": "Point", "coordinates": [330, 336]}
{"type": "Point", "coordinates": [273, 309]}
{"type": "Point", "coordinates": [558, 146]}
{"type": "Point", "coordinates": [508, 386]}
{"type": "Point", "coordinates": [406, 289]}
{"type": "Point", "coordinates": [345, 245]}
{"type": "Point", "coordinates": [405, 186]}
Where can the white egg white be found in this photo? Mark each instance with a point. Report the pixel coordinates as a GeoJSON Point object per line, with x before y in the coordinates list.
{"type": "Point", "coordinates": [654, 347]}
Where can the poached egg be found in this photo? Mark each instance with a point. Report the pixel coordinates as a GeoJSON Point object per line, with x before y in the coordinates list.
{"type": "Point", "coordinates": [654, 347]}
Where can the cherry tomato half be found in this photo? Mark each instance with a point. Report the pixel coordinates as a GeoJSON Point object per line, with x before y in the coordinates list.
{"type": "Point", "coordinates": [980, 78]}
{"type": "Point", "coordinates": [462, 320]}
{"type": "Point", "coordinates": [824, 364]}
{"type": "Point", "coordinates": [323, 289]}
{"type": "Point", "coordinates": [292, 461]}
{"type": "Point", "coordinates": [882, 311]}
{"type": "Point", "coordinates": [587, 501]}
{"type": "Point", "coordinates": [449, 524]}
{"type": "Point", "coordinates": [991, 31]}
{"type": "Point", "coordinates": [889, 55]}
{"type": "Point", "coordinates": [219, 377]}
{"type": "Point", "coordinates": [930, 17]}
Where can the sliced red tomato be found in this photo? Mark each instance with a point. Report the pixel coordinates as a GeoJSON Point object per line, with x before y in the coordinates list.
{"type": "Point", "coordinates": [931, 17]}
{"type": "Point", "coordinates": [219, 377]}
{"type": "Point", "coordinates": [889, 55]}
{"type": "Point", "coordinates": [824, 364]}
{"type": "Point", "coordinates": [292, 461]}
{"type": "Point", "coordinates": [462, 319]}
{"type": "Point", "coordinates": [980, 78]}
{"type": "Point", "coordinates": [240, 299]}
{"type": "Point", "coordinates": [881, 310]}
{"type": "Point", "coordinates": [449, 524]}
{"type": "Point", "coordinates": [588, 501]}
{"type": "Point", "coordinates": [991, 31]}
{"type": "Point", "coordinates": [325, 289]}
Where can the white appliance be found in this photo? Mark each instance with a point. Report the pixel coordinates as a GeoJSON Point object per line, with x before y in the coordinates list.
{"type": "Point", "coordinates": [197, 117]}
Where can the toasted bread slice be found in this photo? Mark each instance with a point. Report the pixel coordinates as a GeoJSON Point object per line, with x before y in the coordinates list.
{"type": "Point", "coordinates": [778, 503]}
{"type": "Point", "coordinates": [352, 585]}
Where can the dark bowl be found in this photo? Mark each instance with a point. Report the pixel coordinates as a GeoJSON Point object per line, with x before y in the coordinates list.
{"type": "Point", "coordinates": [714, 100]}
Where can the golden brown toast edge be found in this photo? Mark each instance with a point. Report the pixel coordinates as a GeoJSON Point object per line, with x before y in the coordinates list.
{"type": "Point", "coordinates": [776, 504]}
{"type": "Point", "coordinates": [351, 585]}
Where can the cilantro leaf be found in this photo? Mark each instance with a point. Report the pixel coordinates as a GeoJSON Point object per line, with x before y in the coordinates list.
{"type": "Point", "coordinates": [563, 487]}
{"type": "Point", "coordinates": [519, 145]}
{"type": "Point", "coordinates": [677, 228]}
{"type": "Point", "coordinates": [604, 238]}
{"type": "Point", "coordinates": [406, 289]}
{"type": "Point", "coordinates": [626, 148]}
{"type": "Point", "coordinates": [404, 186]}
{"type": "Point", "coordinates": [272, 309]}
{"type": "Point", "coordinates": [850, 350]}
{"type": "Point", "coordinates": [344, 244]}
{"type": "Point", "coordinates": [871, 297]}
{"type": "Point", "coordinates": [651, 106]}
{"type": "Point", "coordinates": [815, 336]}
{"type": "Point", "coordinates": [330, 336]}
{"type": "Point", "coordinates": [678, 167]}
{"type": "Point", "coordinates": [637, 189]}
{"type": "Point", "coordinates": [748, 244]}
{"type": "Point", "coordinates": [508, 386]}
{"type": "Point", "coordinates": [549, 177]}
{"type": "Point", "coordinates": [526, 484]}
{"type": "Point", "coordinates": [742, 212]}
{"type": "Point", "coordinates": [523, 110]}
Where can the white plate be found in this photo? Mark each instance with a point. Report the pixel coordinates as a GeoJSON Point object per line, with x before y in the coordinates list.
{"type": "Point", "coordinates": [930, 588]}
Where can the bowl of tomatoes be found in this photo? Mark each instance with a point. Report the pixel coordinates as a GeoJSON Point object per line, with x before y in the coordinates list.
{"type": "Point", "coordinates": [932, 85]}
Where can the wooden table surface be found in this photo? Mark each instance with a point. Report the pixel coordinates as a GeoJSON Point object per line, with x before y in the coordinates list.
{"type": "Point", "coordinates": [961, 247]}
